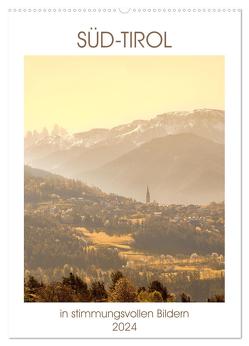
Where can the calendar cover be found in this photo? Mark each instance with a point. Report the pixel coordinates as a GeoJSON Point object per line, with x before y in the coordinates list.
{"type": "Point", "coordinates": [125, 128]}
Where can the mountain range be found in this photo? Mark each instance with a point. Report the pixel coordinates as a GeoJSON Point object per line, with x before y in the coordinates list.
{"type": "Point", "coordinates": [179, 169]}
{"type": "Point", "coordinates": [180, 155]}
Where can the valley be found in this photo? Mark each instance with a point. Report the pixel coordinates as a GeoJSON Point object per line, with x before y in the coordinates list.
{"type": "Point", "coordinates": [71, 227]}
{"type": "Point", "coordinates": [179, 154]}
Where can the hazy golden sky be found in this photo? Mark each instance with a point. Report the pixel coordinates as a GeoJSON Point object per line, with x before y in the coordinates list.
{"type": "Point", "coordinates": [84, 92]}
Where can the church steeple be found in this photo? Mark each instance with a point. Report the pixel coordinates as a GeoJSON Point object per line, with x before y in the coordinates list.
{"type": "Point", "coordinates": [148, 195]}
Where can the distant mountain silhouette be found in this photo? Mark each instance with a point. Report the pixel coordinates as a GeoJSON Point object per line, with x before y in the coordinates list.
{"type": "Point", "coordinates": [72, 155]}
{"type": "Point", "coordinates": [38, 173]}
{"type": "Point", "coordinates": [182, 168]}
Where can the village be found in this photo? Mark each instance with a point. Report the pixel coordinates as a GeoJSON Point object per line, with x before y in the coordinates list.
{"type": "Point", "coordinates": [72, 227]}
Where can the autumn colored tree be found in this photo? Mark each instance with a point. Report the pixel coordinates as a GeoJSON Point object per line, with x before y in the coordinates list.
{"type": "Point", "coordinates": [57, 292]}
{"type": "Point", "coordinates": [123, 291]}
{"type": "Point", "coordinates": [152, 297]}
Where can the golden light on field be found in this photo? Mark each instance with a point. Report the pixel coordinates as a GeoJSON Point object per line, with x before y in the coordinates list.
{"type": "Point", "coordinates": [101, 239]}
{"type": "Point", "coordinates": [84, 92]}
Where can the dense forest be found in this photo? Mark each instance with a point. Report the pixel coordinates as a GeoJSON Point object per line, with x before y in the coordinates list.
{"type": "Point", "coordinates": [165, 237]}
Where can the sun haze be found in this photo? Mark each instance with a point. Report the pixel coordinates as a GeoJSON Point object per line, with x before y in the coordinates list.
{"type": "Point", "coordinates": [84, 92]}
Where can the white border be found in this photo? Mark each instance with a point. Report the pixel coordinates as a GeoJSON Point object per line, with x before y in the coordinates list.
{"type": "Point", "coordinates": [232, 132]}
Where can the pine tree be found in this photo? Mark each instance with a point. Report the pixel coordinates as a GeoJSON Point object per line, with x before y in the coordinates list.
{"type": "Point", "coordinates": [115, 276]}
{"type": "Point", "coordinates": [185, 298]}
{"type": "Point", "coordinates": [157, 286]}
{"type": "Point", "coordinates": [97, 291]}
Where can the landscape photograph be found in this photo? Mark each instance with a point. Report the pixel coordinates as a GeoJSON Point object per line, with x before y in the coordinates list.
{"type": "Point", "coordinates": [124, 179]}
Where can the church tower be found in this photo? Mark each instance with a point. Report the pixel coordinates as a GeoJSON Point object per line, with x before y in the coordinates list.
{"type": "Point", "coordinates": [147, 195]}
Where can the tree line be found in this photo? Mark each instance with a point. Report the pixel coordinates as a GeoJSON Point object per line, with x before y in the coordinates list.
{"type": "Point", "coordinates": [73, 289]}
